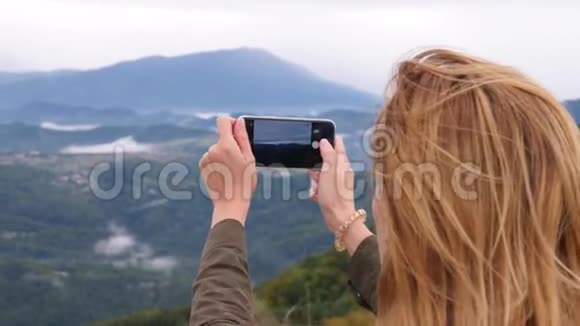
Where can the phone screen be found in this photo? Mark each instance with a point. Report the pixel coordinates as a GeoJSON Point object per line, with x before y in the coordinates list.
{"type": "Point", "coordinates": [288, 143]}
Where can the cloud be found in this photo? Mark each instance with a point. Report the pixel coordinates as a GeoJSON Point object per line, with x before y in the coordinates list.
{"type": "Point", "coordinates": [160, 264]}
{"type": "Point", "coordinates": [123, 250]}
{"type": "Point", "coordinates": [127, 144]}
{"type": "Point", "coordinates": [153, 203]}
{"type": "Point", "coordinates": [55, 278]}
{"type": "Point", "coordinates": [209, 115]}
{"type": "Point", "coordinates": [118, 243]}
{"type": "Point", "coordinates": [253, 5]}
{"type": "Point", "coordinates": [9, 62]}
{"type": "Point", "coordinates": [59, 127]}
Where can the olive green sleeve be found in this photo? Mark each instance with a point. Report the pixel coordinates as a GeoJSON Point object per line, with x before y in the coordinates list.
{"type": "Point", "coordinates": [222, 291]}
{"type": "Point", "coordinates": [363, 272]}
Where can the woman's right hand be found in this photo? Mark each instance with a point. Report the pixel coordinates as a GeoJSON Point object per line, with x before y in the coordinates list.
{"type": "Point", "coordinates": [333, 186]}
{"type": "Point", "coordinates": [333, 189]}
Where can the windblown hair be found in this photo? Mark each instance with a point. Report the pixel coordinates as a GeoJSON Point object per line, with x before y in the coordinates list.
{"type": "Point", "coordinates": [481, 198]}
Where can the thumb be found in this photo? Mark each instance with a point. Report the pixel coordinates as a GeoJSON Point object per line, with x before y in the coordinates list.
{"type": "Point", "coordinates": [241, 136]}
{"type": "Point", "coordinates": [328, 154]}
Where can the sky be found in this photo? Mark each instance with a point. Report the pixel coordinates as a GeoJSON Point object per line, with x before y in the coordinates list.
{"type": "Point", "coordinates": [353, 42]}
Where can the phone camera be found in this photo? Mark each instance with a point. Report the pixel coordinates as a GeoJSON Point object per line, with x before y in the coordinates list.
{"type": "Point", "coordinates": [315, 144]}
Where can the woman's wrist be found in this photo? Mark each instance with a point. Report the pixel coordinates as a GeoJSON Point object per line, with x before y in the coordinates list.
{"type": "Point", "coordinates": [230, 210]}
{"type": "Point", "coordinates": [339, 215]}
{"type": "Point", "coordinates": [356, 231]}
{"type": "Point", "coordinates": [354, 235]}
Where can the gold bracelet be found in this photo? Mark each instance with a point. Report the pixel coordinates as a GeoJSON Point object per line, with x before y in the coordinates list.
{"type": "Point", "coordinates": [338, 242]}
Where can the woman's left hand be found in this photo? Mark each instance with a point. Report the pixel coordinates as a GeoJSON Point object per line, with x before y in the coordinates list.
{"type": "Point", "coordinates": [229, 171]}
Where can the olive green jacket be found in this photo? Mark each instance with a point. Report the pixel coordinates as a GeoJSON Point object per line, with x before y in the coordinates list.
{"type": "Point", "coordinates": [222, 291]}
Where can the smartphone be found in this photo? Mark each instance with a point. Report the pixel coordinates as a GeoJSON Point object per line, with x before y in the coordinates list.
{"type": "Point", "coordinates": [288, 142]}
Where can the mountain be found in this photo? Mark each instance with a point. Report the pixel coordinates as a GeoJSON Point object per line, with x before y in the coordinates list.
{"type": "Point", "coordinates": [37, 112]}
{"type": "Point", "coordinates": [574, 108]}
{"type": "Point", "coordinates": [10, 77]}
{"type": "Point", "coordinates": [244, 78]}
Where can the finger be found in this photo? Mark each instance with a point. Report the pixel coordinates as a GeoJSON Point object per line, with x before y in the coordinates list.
{"type": "Point", "coordinates": [241, 136]}
{"type": "Point", "coordinates": [328, 155]}
{"type": "Point", "coordinates": [212, 152]}
{"type": "Point", "coordinates": [339, 145]}
{"type": "Point", "coordinates": [342, 162]}
{"type": "Point", "coordinates": [313, 185]}
{"type": "Point", "coordinates": [203, 161]}
{"type": "Point", "coordinates": [342, 158]}
{"type": "Point", "coordinates": [313, 195]}
{"type": "Point", "coordinates": [314, 175]}
{"type": "Point", "coordinates": [225, 127]}
{"type": "Point", "coordinates": [314, 181]}
{"type": "Point", "coordinates": [345, 175]}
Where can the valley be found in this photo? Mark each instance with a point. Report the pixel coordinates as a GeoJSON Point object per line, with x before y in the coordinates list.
{"type": "Point", "coordinates": [69, 256]}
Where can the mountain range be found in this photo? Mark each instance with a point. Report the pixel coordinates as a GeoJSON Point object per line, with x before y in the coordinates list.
{"type": "Point", "coordinates": [574, 108]}
{"type": "Point", "coordinates": [244, 78]}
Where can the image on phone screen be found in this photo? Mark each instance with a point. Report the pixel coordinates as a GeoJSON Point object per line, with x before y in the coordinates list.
{"type": "Point", "coordinates": [285, 142]}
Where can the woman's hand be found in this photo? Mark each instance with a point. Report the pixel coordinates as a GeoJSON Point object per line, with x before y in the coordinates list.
{"type": "Point", "coordinates": [332, 186]}
{"type": "Point", "coordinates": [333, 189]}
{"type": "Point", "coordinates": [229, 171]}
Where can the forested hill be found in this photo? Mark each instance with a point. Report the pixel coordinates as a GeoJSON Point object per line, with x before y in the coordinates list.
{"type": "Point", "coordinates": [311, 292]}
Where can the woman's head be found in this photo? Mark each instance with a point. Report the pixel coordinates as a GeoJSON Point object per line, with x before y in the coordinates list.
{"type": "Point", "coordinates": [477, 203]}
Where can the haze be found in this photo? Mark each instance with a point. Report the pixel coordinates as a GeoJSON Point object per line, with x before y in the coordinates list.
{"type": "Point", "coordinates": [352, 42]}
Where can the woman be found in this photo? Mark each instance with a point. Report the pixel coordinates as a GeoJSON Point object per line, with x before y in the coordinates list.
{"type": "Point", "coordinates": [477, 205]}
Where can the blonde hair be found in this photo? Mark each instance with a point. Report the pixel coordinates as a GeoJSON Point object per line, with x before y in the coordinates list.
{"type": "Point", "coordinates": [507, 252]}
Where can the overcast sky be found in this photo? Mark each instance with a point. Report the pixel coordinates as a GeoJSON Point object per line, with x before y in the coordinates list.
{"type": "Point", "coordinates": [355, 42]}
